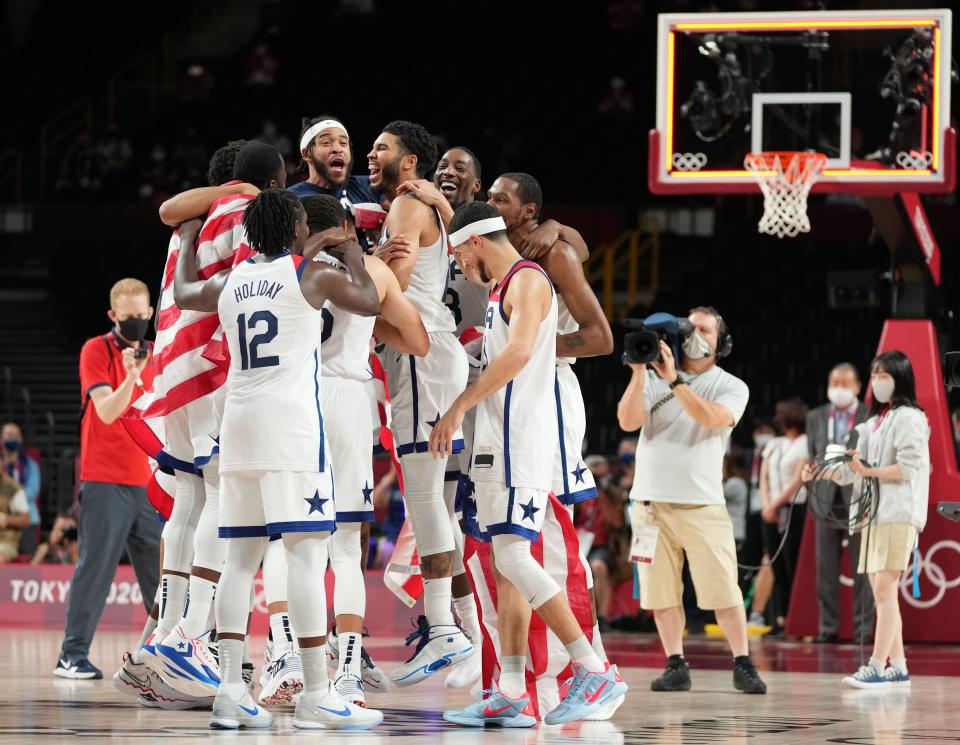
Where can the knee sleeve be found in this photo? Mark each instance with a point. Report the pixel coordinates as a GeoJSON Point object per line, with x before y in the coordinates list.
{"type": "Point", "coordinates": [517, 565]}
{"type": "Point", "coordinates": [179, 531]}
{"type": "Point", "coordinates": [349, 592]}
{"type": "Point", "coordinates": [275, 573]}
{"type": "Point", "coordinates": [307, 560]}
{"type": "Point", "coordinates": [208, 548]}
{"type": "Point", "coordinates": [458, 545]}
{"type": "Point", "coordinates": [243, 558]}
{"type": "Point", "coordinates": [423, 495]}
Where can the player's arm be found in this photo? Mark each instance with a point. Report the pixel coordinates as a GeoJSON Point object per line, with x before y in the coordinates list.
{"type": "Point", "coordinates": [407, 219]}
{"type": "Point", "coordinates": [526, 304]}
{"type": "Point", "coordinates": [355, 294]}
{"type": "Point", "coordinates": [399, 323]}
{"type": "Point", "coordinates": [430, 195]}
{"type": "Point", "coordinates": [594, 337]}
{"type": "Point", "coordinates": [196, 202]}
{"type": "Point", "coordinates": [540, 241]}
{"type": "Point", "coordinates": [189, 291]}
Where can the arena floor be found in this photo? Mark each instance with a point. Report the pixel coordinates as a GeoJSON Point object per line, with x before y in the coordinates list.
{"type": "Point", "coordinates": [805, 704]}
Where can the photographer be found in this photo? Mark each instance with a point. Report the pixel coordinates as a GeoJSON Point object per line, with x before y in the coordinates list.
{"type": "Point", "coordinates": [61, 545]}
{"type": "Point", "coordinates": [677, 502]}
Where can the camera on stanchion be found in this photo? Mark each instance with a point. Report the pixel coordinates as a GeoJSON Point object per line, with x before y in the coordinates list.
{"type": "Point", "coordinates": [642, 344]}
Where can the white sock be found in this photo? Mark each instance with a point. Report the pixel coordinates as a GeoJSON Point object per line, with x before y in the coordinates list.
{"type": "Point", "coordinates": [231, 668]}
{"type": "Point", "coordinates": [282, 635]}
{"type": "Point", "coordinates": [512, 683]}
{"type": "Point", "coordinates": [899, 664]}
{"type": "Point", "coordinates": [314, 668]}
{"type": "Point", "coordinates": [350, 644]}
{"type": "Point", "coordinates": [877, 665]}
{"type": "Point", "coordinates": [173, 595]}
{"type": "Point", "coordinates": [597, 643]}
{"type": "Point", "coordinates": [466, 608]}
{"type": "Point", "coordinates": [148, 628]}
{"type": "Point", "coordinates": [582, 653]}
{"type": "Point", "coordinates": [436, 601]}
{"type": "Point", "coordinates": [202, 592]}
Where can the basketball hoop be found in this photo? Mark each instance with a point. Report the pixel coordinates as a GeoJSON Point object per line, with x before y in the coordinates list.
{"type": "Point", "coordinates": [785, 179]}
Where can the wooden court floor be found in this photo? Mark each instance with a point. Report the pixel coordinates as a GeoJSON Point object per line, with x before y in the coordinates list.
{"type": "Point", "coordinates": [806, 703]}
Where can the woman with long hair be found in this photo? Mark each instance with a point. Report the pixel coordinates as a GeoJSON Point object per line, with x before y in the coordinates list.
{"type": "Point", "coordinates": [894, 449]}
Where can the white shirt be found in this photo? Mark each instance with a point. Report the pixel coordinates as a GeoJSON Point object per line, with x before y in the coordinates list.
{"type": "Point", "coordinates": [679, 461]}
{"type": "Point", "coordinates": [783, 456]}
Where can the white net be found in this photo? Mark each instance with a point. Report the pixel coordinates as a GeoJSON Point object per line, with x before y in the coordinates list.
{"type": "Point", "coordinates": [785, 180]}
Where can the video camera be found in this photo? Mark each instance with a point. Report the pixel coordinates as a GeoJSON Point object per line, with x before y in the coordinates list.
{"type": "Point", "coordinates": [642, 344]}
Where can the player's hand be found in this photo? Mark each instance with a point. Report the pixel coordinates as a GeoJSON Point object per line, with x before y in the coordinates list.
{"type": "Point", "coordinates": [425, 191]}
{"type": "Point", "coordinates": [348, 251]}
{"type": "Point", "coordinates": [540, 240]}
{"type": "Point", "coordinates": [325, 240]}
{"type": "Point", "coordinates": [131, 364]}
{"type": "Point", "coordinates": [667, 367]}
{"type": "Point", "coordinates": [191, 228]}
{"type": "Point", "coordinates": [856, 465]}
{"type": "Point", "coordinates": [441, 439]}
{"type": "Point", "coordinates": [396, 247]}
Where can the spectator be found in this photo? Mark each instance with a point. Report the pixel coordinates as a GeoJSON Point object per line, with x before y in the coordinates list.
{"type": "Point", "coordinates": [262, 67]}
{"type": "Point", "coordinates": [14, 516]}
{"type": "Point", "coordinates": [196, 85]}
{"type": "Point", "coordinates": [115, 369]}
{"type": "Point", "coordinates": [61, 545]}
{"type": "Point", "coordinates": [784, 499]}
{"type": "Point", "coordinates": [622, 471]}
{"type": "Point", "coordinates": [736, 493]}
{"type": "Point", "coordinates": [753, 553]}
{"type": "Point", "coordinates": [270, 135]}
{"type": "Point", "coordinates": [617, 101]}
{"type": "Point", "coordinates": [21, 468]}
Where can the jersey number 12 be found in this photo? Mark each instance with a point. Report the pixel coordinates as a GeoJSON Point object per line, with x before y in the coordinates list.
{"type": "Point", "coordinates": [249, 356]}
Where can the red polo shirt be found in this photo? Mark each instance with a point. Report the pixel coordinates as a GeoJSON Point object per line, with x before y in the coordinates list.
{"type": "Point", "coordinates": [107, 452]}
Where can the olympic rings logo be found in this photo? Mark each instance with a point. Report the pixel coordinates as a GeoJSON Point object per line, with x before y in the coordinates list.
{"type": "Point", "coordinates": [934, 575]}
{"type": "Point", "coordinates": [689, 161]}
{"type": "Point", "coordinates": [914, 161]}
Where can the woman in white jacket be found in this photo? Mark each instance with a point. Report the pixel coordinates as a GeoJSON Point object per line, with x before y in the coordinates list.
{"type": "Point", "coordinates": [895, 442]}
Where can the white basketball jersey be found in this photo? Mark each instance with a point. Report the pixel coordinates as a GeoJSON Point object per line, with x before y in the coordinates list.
{"type": "Point", "coordinates": [345, 338]}
{"type": "Point", "coordinates": [466, 300]}
{"type": "Point", "coordinates": [516, 436]}
{"type": "Point", "coordinates": [271, 419]}
{"type": "Point", "coordinates": [565, 325]}
{"type": "Point", "coordinates": [428, 282]}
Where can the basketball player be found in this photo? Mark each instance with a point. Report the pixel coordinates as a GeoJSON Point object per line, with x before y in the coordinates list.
{"type": "Point", "coordinates": [421, 388]}
{"type": "Point", "coordinates": [512, 468]}
{"type": "Point", "coordinates": [582, 331]}
{"type": "Point", "coordinates": [134, 678]}
{"type": "Point", "coordinates": [276, 471]}
{"type": "Point", "coordinates": [325, 149]}
{"type": "Point", "coordinates": [188, 390]}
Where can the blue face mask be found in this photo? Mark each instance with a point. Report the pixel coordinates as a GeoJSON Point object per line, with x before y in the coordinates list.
{"type": "Point", "coordinates": [12, 446]}
{"type": "Point", "coordinates": [627, 458]}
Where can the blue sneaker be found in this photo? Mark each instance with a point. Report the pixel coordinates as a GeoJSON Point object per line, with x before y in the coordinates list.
{"type": "Point", "coordinates": [494, 708]}
{"type": "Point", "coordinates": [191, 667]}
{"type": "Point", "coordinates": [588, 693]}
{"type": "Point", "coordinates": [438, 648]}
{"type": "Point", "coordinates": [866, 677]}
{"type": "Point", "coordinates": [897, 678]}
{"type": "Point", "coordinates": [80, 669]}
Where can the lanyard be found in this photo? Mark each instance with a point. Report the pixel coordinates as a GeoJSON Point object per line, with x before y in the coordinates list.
{"type": "Point", "coordinates": [848, 415]}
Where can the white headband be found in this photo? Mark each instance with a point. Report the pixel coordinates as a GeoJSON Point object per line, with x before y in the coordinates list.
{"type": "Point", "coordinates": [317, 129]}
{"type": "Point", "coordinates": [480, 227]}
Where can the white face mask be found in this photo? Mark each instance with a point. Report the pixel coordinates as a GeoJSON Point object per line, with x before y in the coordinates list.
{"type": "Point", "coordinates": [761, 441]}
{"type": "Point", "coordinates": [882, 389]}
{"type": "Point", "coordinates": [695, 347]}
{"type": "Point", "coordinates": [840, 397]}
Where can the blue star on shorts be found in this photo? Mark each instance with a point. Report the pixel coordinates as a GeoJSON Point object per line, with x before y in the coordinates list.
{"type": "Point", "coordinates": [578, 472]}
{"type": "Point", "coordinates": [367, 491]}
{"type": "Point", "coordinates": [316, 503]}
{"type": "Point", "coordinates": [529, 511]}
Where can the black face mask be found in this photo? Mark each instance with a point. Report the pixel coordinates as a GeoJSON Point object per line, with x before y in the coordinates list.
{"type": "Point", "coordinates": [133, 329]}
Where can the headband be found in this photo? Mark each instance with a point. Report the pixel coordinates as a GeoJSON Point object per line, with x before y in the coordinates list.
{"type": "Point", "coordinates": [317, 129]}
{"type": "Point", "coordinates": [480, 227]}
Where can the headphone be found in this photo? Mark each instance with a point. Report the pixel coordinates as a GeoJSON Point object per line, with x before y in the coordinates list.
{"type": "Point", "coordinates": [724, 339]}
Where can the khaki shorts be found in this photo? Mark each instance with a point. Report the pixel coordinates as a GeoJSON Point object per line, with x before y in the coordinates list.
{"type": "Point", "coordinates": [705, 533]}
{"type": "Point", "coordinates": [886, 547]}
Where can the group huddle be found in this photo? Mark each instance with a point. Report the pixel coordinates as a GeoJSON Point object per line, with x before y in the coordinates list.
{"type": "Point", "coordinates": [279, 309]}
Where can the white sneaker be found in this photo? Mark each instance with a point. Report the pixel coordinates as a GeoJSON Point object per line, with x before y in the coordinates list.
{"type": "Point", "coordinates": [756, 619]}
{"type": "Point", "coordinates": [282, 680]}
{"type": "Point", "coordinates": [466, 673]}
{"type": "Point", "coordinates": [867, 677]}
{"type": "Point", "coordinates": [350, 688]}
{"type": "Point", "coordinates": [438, 647]}
{"type": "Point", "coordinates": [231, 714]}
{"type": "Point", "coordinates": [374, 679]}
{"type": "Point", "coordinates": [190, 666]}
{"type": "Point", "coordinates": [328, 710]}
{"type": "Point", "coordinates": [137, 680]}
{"type": "Point", "coordinates": [606, 711]}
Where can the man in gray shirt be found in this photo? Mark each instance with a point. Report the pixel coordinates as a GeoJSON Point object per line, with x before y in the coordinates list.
{"type": "Point", "coordinates": [677, 503]}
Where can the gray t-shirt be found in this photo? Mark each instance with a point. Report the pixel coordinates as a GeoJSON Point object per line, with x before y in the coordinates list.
{"type": "Point", "coordinates": [679, 461]}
